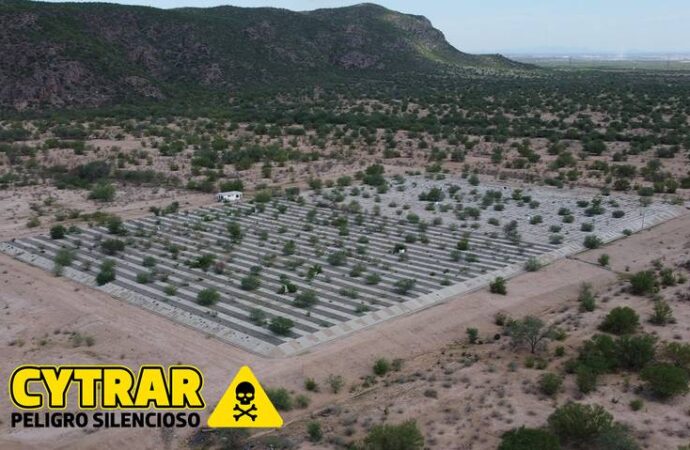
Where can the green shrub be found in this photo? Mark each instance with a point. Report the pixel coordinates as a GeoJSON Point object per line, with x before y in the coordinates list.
{"type": "Point", "coordinates": [305, 299]}
{"type": "Point", "coordinates": [281, 326]}
{"type": "Point", "coordinates": [115, 226]}
{"type": "Point", "coordinates": [143, 277]}
{"type": "Point", "coordinates": [405, 436]}
{"type": "Point", "coordinates": [280, 398]}
{"type": "Point", "coordinates": [107, 273]}
{"type": "Point", "coordinates": [403, 286]}
{"type": "Point", "coordinates": [599, 354]}
{"type": "Point", "coordinates": [58, 232]}
{"type": "Point", "coordinates": [498, 286]}
{"type": "Point", "coordinates": [148, 261]}
{"type": "Point", "coordinates": [532, 264]}
{"type": "Point", "coordinates": [112, 246]}
{"type": "Point", "coordinates": [250, 282]}
{"type": "Point", "coordinates": [314, 431]}
{"type": "Point", "coordinates": [579, 423]}
{"type": "Point", "coordinates": [586, 298]}
{"type": "Point", "coordinates": [64, 257]}
{"type": "Point", "coordinates": [592, 241]}
{"type": "Point", "coordinates": [472, 335]}
{"type": "Point", "coordinates": [336, 383]}
{"type": "Point", "coordinates": [550, 384]}
{"type": "Point", "coordinates": [104, 192]}
{"type": "Point", "coordinates": [338, 258]}
{"type": "Point", "coordinates": [677, 354]}
{"type": "Point", "coordinates": [311, 385]}
{"type": "Point", "coordinates": [381, 366]}
{"type": "Point", "coordinates": [643, 283]}
{"type": "Point", "coordinates": [208, 297]}
{"type": "Point", "coordinates": [170, 290]}
{"type": "Point", "coordinates": [616, 438]}
{"type": "Point", "coordinates": [604, 260]}
{"type": "Point", "coordinates": [665, 380]}
{"type": "Point", "coordinates": [636, 404]}
{"type": "Point", "coordinates": [257, 316]}
{"type": "Point", "coordinates": [529, 439]}
{"type": "Point", "coordinates": [586, 379]}
{"type": "Point", "coordinates": [621, 320]}
{"type": "Point", "coordinates": [635, 352]}
{"type": "Point", "coordinates": [372, 278]}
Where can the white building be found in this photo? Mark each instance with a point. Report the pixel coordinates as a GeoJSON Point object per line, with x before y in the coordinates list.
{"type": "Point", "coordinates": [230, 196]}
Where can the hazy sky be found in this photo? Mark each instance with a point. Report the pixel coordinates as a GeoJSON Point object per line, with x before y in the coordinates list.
{"type": "Point", "coordinates": [614, 26]}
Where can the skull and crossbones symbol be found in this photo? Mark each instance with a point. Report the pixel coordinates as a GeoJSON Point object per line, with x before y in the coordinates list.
{"type": "Point", "coordinates": [244, 394]}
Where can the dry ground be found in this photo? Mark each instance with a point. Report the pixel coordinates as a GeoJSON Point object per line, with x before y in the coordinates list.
{"type": "Point", "coordinates": [474, 404]}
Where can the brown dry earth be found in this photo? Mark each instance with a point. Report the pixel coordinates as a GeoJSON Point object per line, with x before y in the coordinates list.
{"type": "Point", "coordinates": [483, 400]}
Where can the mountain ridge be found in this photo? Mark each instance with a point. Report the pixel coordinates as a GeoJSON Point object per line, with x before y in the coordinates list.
{"type": "Point", "coordinates": [69, 55]}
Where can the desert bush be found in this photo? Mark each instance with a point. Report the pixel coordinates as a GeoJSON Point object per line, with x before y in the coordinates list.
{"type": "Point", "coordinates": [115, 225]}
{"type": "Point", "coordinates": [281, 326]}
{"type": "Point", "coordinates": [498, 286]}
{"type": "Point", "coordinates": [592, 241]}
{"type": "Point", "coordinates": [532, 264]}
{"type": "Point", "coordinates": [472, 335]}
{"type": "Point", "coordinates": [643, 283]}
{"type": "Point", "coordinates": [64, 257]}
{"type": "Point", "coordinates": [305, 299]}
{"type": "Point", "coordinates": [235, 231]}
{"type": "Point", "coordinates": [677, 354]}
{"type": "Point", "coordinates": [668, 278]}
{"type": "Point", "coordinates": [281, 398]}
{"type": "Point", "coordinates": [112, 246]}
{"type": "Point", "coordinates": [107, 272]}
{"type": "Point", "coordinates": [338, 258]}
{"type": "Point", "coordinates": [662, 313]}
{"type": "Point", "coordinates": [257, 316]}
{"type": "Point", "coordinates": [405, 436]}
{"type": "Point", "coordinates": [550, 384]}
{"type": "Point", "coordinates": [665, 380]}
{"type": "Point", "coordinates": [529, 439]}
{"type": "Point", "coordinates": [404, 285]}
{"type": "Point", "coordinates": [635, 352]}
{"type": "Point", "coordinates": [143, 277]}
{"type": "Point", "coordinates": [104, 192]}
{"type": "Point", "coordinates": [381, 366]}
{"type": "Point", "coordinates": [58, 232]}
{"type": "Point", "coordinates": [335, 382]}
{"type": "Point", "coordinates": [586, 298]}
{"type": "Point", "coordinates": [585, 379]}
{"type": "Point", "coordinates": [372, 278]}
{"type": "Point", "coordinates": [604, 260]}
{"type": "Point", "coordinates": [314, 431]}
{"type": "Point", "coordinates": [620, 320]}
{"type": "Point", "coordinates": [170, 290]}
{"type": "Point", "coordinates": [148, 261]}
{"type": "Point", "coordinates": [208, 297]}
{"type": "Point", "coordinates": [250, 282]}
{"type": "Point", "coordinates": [579, 423]}
{"type": "Point", "coordinates": [311, 385]}
{"type": "Point", "coordinates": [636, 404]}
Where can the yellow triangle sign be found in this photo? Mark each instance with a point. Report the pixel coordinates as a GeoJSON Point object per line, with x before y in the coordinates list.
{"type": "Point", "coordinates": [245, 405]}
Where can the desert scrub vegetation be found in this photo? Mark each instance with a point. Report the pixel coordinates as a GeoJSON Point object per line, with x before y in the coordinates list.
{"type": "Point", "coordinates": [208, 297]}
{"type": "Point", "coordinates": [107, 272]}
{"type": "Point", "coordinates": [281, 326]}
{"type": "Point", "coordinates": [620, 320]}
{"type": "Point", "coordinates": [498, 286]}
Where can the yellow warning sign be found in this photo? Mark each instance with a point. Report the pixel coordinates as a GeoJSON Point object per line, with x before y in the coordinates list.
{"type": "Point", "coordinates": [245, 405]}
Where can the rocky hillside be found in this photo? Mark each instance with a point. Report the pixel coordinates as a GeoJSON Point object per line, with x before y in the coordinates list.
{"type": "Point", "coordinates": [62, 55]}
